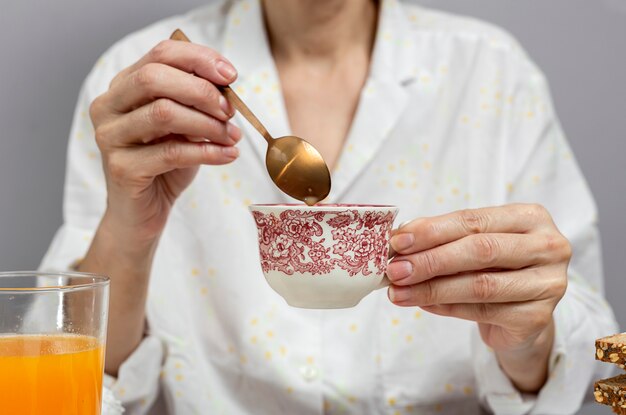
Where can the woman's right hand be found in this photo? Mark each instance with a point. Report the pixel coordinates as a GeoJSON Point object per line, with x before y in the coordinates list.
{"type": "Point", "coordinates": [155, 126]}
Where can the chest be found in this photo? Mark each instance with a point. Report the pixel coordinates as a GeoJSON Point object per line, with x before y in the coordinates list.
{"type": "Point", "coordinates": [321, 104]}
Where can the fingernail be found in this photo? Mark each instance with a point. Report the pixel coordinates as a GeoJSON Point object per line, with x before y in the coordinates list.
{"type": "Point", "coordinates": [225, 106]}
{"type": "Point", "coordinates": [399, 270]}
{"type": "Point", "coordinates": [399, 294]}
{"type": "Point", "coordinates": [233, 132]}
{"type": "Point", "coordinates": [226, 70]}
{"type": "Point", "coordinates": [232, 152]}
{"type": "Point", "coordinates": [402, 241]}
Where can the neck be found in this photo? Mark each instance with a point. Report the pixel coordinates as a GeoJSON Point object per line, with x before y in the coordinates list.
{"type": "Point", "coordinates": [319, 29]}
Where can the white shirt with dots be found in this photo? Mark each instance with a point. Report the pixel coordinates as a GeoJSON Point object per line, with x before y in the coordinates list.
{"type": "Point", "coordinates": [453, 115]}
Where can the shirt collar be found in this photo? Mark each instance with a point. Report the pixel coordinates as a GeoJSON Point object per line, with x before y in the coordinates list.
{"type": "Point", "coordinates": [245, 41]}
{"type": "Point", "coordinates": [393, 48]}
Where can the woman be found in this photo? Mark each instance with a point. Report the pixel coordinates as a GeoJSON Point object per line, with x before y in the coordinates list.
{"type": "Point", "coordinates": [443, 116]}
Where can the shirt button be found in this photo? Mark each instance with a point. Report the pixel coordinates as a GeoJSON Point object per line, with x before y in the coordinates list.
{"type": "Point", "coordinates": [309, 373]}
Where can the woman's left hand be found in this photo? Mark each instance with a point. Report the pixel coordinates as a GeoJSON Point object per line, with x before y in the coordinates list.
{"type": "Point", "coordinates": [503, 267]}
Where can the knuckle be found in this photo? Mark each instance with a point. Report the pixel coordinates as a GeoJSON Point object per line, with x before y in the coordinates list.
{"type": "Point", "coordinates": [551, 283]}
{"type": "Point", "coordinates": [484, 286]}
{"type": "Point", "coordinates": [160, 50]}
{"type": "Point", "coordinates": [550, 243]}
{"type": "Point", "coordinates": [558, 246]}
{"type": "Point", "coordinates": [542, 212]}
{"type": "Point", "coordinates": [429, 263]}
{"type": "Point", "coordinates": [216, 130]}
{"type": "Point", "coordinates": [473, 221]}
{"type": "Point", "coordinates": [172, 153]}
{"type": "Point", "coordinates": [206, 90]}
{"type": "Point", "coordinates": [204, 56]}
{"type": "Point", "coordinates": [162, 111]}
{"type": "Point", "coordinates": [483, 312]}
{"type": "Point", "coordinates": [565, 249]}
{"type": "Point", "coordinates": [559, 288]}
{"type": "Point", "coordinates": [120, 76]}
{"type": "Point", "coordinates": [116, 168]}
{"type": "Point", "coordinates": [426, 294]}
{"type": "Point", "coordinates": [116, 79]}
{"type": "Point", "coordinates": [486, 249]}
{"type": "Point", "coordinates": [554, 283]}
{"type": "Point", "coordinates": [210, 56]}
{"type": "Point", "coordinates": [148, 75]}
{"type": "Point", "coordinates": [95, 108]}
{"type": "Point", "coordinates": [101, 136]}
{"type": "Point", "coordinates": [428, 230]}
{"type": "Point", "coordinates": [536, 211]}
{"type": "Point", "coordinates": [539, 319]}
{"type": "Point", "coordinates": [211, 153]}
{"type": "Point", "coordinates": [526, 211]}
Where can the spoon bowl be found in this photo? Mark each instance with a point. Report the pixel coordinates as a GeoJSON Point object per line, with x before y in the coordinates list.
{"type": "Point", "coordinates": [298, 169]}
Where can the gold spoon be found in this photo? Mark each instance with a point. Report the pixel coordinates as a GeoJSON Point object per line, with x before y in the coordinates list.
{"type": "Point", "coordinates": [294, 165]}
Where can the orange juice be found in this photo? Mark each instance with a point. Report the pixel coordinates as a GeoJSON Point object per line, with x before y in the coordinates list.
{"type": "Point", "coordinates": [50, 375]}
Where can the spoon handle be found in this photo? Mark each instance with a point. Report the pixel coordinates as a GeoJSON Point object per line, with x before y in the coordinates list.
{"type": "Point", "coordinates": [232, 97]}
{"type": "Point", "coordinates": [243, 109]}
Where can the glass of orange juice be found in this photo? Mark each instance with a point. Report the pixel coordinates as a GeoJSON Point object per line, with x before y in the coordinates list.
{"type": "Point", "coordinates": [52, 338]}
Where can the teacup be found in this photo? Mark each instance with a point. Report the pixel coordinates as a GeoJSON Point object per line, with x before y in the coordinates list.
{"type": "Point", "coordinates": [324, 256]}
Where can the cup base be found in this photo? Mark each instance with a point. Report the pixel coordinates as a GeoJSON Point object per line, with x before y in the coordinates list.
{"type": "Point", "coordinates": [323, 305]}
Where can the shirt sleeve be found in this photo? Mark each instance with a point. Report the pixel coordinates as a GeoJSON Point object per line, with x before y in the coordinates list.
{"type": "Point", "coordinates": [542, 169]}
{"type": "Point", "coordinates": [137, 385]}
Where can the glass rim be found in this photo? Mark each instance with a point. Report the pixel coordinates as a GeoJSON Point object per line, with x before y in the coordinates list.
{"type": "Point", "coordinates": [89, 281]}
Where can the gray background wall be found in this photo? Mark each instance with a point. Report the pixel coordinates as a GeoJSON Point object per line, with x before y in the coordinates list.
{"type": "Point", "coordinates": [48, 47]}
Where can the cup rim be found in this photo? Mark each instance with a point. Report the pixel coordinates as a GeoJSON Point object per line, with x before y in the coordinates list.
{"type": "Point", "coordinates": [87, 280]}
{"type": "Point", "coordinates": [322, 206]}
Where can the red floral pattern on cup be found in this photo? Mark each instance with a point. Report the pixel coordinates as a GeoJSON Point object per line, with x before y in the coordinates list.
{"type": "Point", "coordinates": [292, 241]}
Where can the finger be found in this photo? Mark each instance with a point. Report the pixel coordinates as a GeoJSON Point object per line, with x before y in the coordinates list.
{"type": "Point", "coordinates": [161, 118]}
{"type": "Point", "coordinates": [532, 314]}
{"type": "Point", "coordinates": [156, 80]}
{"type": "Point", "coordinates": [156, 159]}
{"type": "Point", "coordinates": [481, 287]}
{"type": "Point", "coordinates": [191, 58]}
{"type": "Point", "coordinates": [471, 253]}
{"type": "Point", "coordinates": [480, 313]}
{"type": "Point", "coordinates": [426, 233]}
{"type": "Point", "coordinates": [161, 158]}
